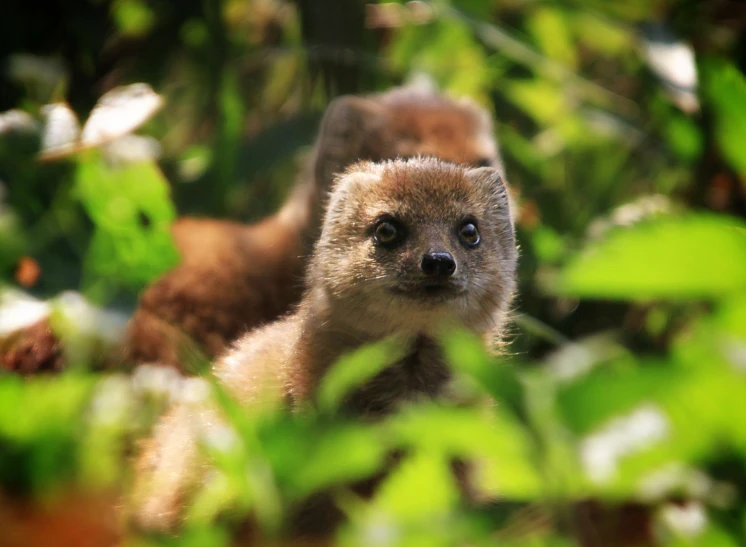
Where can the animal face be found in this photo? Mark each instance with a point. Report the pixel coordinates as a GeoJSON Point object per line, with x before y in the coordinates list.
{"type": "Point", "coordinates": [408, 244]}
{"type": "Point", "coordinates": [447, 130]}
{"type": "Point", "coordinates": [402, 123]}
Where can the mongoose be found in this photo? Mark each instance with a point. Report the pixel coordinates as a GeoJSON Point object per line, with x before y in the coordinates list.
{"type": "Point", "coordinates": [235, 277]}
{"type": "Point", "coordinates": [407, 247]}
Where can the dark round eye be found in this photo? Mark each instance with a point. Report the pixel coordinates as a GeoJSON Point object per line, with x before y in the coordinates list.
{"type": "Point", "coordinates": [387, 233]}
{"type": "Point", "coordinates": [469, 234]}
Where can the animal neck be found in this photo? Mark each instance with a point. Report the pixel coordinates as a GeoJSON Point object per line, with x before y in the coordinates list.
{"type": "Point", "coordinates": [420, 374]}
{"type": "Point", "coordinates": [419, 371]}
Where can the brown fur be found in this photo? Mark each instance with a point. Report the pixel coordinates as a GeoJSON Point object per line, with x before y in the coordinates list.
{"type": "Point", "coordinates": [32, 349]}
{"type": "Point", "coordinates": [235, 277]}
{"type": "Point", "coordinates": [360, 292]}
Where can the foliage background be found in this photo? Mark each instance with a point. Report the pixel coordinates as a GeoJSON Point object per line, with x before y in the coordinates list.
{"type": "Point", "coordinates": [624, 382]}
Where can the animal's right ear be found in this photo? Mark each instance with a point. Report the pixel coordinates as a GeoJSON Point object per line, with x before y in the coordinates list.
{"type": "Point", "coordinates": [349, 132]}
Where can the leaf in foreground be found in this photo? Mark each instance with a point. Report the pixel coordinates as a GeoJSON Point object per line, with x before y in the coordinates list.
{"type": "Point", "coordinates": [696, 256]}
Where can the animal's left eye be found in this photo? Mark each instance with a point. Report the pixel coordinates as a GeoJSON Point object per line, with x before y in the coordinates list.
{"type": "Point", "coordinates": [469, 234]}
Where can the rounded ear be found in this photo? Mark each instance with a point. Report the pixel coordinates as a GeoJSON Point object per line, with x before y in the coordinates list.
{"type": "Point", "coordinates": [359, 177]}
{"type": "Point", "coordinates": [348, 130]}
{"type": "Point", "coordinates": [491, 179]}
{"type": "Point", "coordinates": [347, 127]}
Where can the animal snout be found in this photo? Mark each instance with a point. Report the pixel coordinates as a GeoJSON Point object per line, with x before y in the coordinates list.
{"type": "Point", "coordinates": [438, 264]}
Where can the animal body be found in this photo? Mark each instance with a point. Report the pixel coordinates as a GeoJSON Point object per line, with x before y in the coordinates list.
{"type": "Point", "coordinates": [235, 277]}
{"type": "Point", "coordinates": [407, 248]}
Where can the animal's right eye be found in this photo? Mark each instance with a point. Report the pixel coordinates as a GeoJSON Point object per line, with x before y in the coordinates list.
{"type": "Point", "coordinates": [483, 162]}
{"type": "Point", "coordinates": [388, 233]}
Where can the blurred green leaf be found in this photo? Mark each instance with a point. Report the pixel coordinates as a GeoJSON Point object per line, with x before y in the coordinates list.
{"type": "Point", "coordinates": [695, 256]}
{"type": "Point", "coordinates": [550, 29]}
{"type": "Point", "coordinates": [498, 446]}
{"type": "Point", "coordinates": [12, 242]}
{"type": "Point", "coordinates": [601, 33]}
{"type": "Point", "coordinates": [550, 246]}
{"type": "Point", "coordinates": [726, 89]}
{"type": "Point", "coordinates": [465, 352]}
{"type": "Point", "coordinates": [683, 136]}
{"type": "Point", "coordinates": [421, 486]}
{"type": "Point", "coordinates": [542, 100]}
{"type": "Point", "coordinates": [356, 452]}
{"type": "Point", "coordinates": [40, 425]}
{"type": "Point", "coordinates": [131, 209]}
{"type": "Point", "coordinates": [613, 390]}
{"type": "Point", "coordinates": [447, 51]}
{"type": "Point", "coordinates": [353, 370]}
{"type": "Point", "coordinates": [133, 17]}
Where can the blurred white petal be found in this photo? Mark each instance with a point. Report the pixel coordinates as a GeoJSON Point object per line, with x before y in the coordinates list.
{"type": "Point", "coordinates": [89, 320]}
{"type": "Point", "coordinates": [688, 520]}
{"type": "Point", "coordinates": [673, 62]}
{"type": "Point", "coordinates": [601, 451]}
{"type": "Point", "coordinates": [119, 112]}
{"type": "Point", "coordinates": [18, 120]}
{"type": "Point", "coordinates": [132, 149]}
{"type": "Point", "coordinates": [19, 310]}
{"type": "Point", "coordinates": [675, 478]}
{"type": "Point", "coordinates": [629, 214]}
{"type": "Point", "coordinates": [61, 131]}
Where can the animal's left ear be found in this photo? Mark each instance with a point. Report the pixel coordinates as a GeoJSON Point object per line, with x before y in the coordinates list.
{"type": "Point", "coordinates": [491, 179]}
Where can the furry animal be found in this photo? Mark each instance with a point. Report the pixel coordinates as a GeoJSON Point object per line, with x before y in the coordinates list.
{"type": "Point", "coordinates": [407, 248]}
{"type": "Point", "coordinates": [235, 277]}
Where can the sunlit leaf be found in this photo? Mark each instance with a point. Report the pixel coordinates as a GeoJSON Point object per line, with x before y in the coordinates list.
{"type": "Point", "coordinates": [131, 209]}
{"type": "Point", "coordinates": [695, 256]}
{"type": "Point", "coordinates": [421, 486]}
{"type": "Point", "coordinates": [550, 30]}
{"type": "Point", "coordinates": [602, 33]}
{"type": "Point", "coordinates": [540, 99]}
{"type": "Point", "coordinates": [353, 370]}
{"type": "Point", "coordinates": [357, 453]}
{"type": "Point", "coordinates": [683, 136]}
{"type": "Point", "coordinates": [38, 445]}
{"type": "Point", "coordinates": [497, 445]}
{"type": "Point", "coordinates": [466, 353]}
{"type": "Point", "coordinates": [133, 17]}
{"type": "Point", "coordinates": [446, 50]}
{"type": "Point", "coordinates": [726, 90]}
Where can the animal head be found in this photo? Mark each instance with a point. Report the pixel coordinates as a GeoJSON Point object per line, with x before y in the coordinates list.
{"type": "Point", "coordinates": [404, 122]}
{"type": "Point", "coordinates": [409, 244]}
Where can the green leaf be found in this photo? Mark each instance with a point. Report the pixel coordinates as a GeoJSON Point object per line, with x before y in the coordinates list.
{"type": "Point", "coordinates": [613, 390]}
{"type": "Point", "coordinates": [355, 369]}
{"type": "Point", "coordinates": [695, 256]}
{"type": "Point", "coordinates": [551, 31]}
{"type": "Point", "coordinates": [357, 453]}
{"type": "Point", "coordinates": [132, 211]}
{"type": "Point", "coordinates": [447, 51]}
{"type": "Point", "coordinates": [602, 34]}
{"type": "Point", "coordinates": [40, 421]}
{"type": "Point", "coordinates": [466, 353]}
{"type": "Point", "coordinates": [421, 486]}
{"type": "Point", "coordinates": [499, 446]}
{"type": "Point", "coordinates": [133, 17]}
{"type": "Point", "coordinates": [726, 90]}
{"type": "Point", "coordinates": [542, 100]}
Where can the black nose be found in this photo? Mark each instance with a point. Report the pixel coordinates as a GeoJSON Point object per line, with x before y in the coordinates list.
{"type": "Point", "coordinates": [438, 264]}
